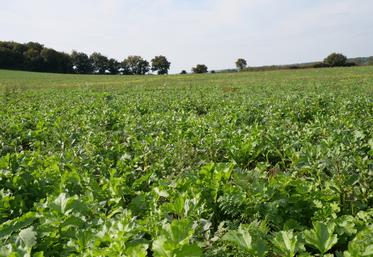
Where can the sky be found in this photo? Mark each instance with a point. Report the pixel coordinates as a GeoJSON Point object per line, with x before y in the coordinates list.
{"type": "Point", "coordinates": [190, 32]}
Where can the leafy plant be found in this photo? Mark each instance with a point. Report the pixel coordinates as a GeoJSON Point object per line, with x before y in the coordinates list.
{"type": "Point", "coordinates": [321, 237]}
{"type": "Point", "coordinates": [287, 244]}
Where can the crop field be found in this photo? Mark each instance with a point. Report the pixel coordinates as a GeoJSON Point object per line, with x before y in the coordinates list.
{"type": "Point", "coordinates": [247, 164]}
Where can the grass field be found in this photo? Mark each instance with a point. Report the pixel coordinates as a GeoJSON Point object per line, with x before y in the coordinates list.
{"type": "Point", "coordinates": [247, 164]}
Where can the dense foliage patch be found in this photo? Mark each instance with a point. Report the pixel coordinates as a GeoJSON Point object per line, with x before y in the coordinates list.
{"type": "Point", "coordinates": [259, 164]}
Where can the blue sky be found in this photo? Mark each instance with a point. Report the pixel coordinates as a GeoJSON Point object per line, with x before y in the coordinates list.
{"type": "Point", "coordinates": [213, 32]}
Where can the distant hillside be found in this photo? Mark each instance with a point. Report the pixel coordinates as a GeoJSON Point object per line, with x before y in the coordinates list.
{"type": "Point", "coordinates": [358, 61]}
{"type": "Point", "coordinates": [362, 60]}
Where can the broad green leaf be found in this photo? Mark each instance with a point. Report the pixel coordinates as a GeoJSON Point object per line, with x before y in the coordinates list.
{"type": "Point", "coordinates": [139, 250]}
{"type": "Point", "coordinates": [188, 251]}
{"type": "Point", "coordinates": [9, 227]}
{"type": "Point", "coordinates": [180, 231]}
{"type": "Point", "coordinates": [240, 238]}
{"type": "Point", "coordinates": [346, 226]}
{"type": "Point", "coordinates": [162, 248]}
{"type": "Point", "coordinates": [286, 243]}
{"type": "Point", "coordinates": [260, 247]}
{"type": "Point", "coordinates": [362, 244]}
{"type": "Point", "coordinates": [59, 204]}
{"type": "Point", "coordinates": [321, 237]}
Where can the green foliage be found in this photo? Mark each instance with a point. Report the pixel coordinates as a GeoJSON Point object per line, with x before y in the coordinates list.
{"type": "Point", "coordinates": [33, 57]}
{"type": "Point", "coordinates": [243, 164]}
{"type": "Point", "coordinates": [243, 240]}
{"type": "Point", "coordinates": [241, 64]}
{"type": "Point", "coordinates": [100, 63]}
{"type": "Point", "coordinates": [362, 244]}
{"type": "Point", "coordinates": [135, 65]}
{"type": "Point", "coordinates": [160, 64]}
{"type": "Point", "coordinates": [336, 60]}
{"type": "Point", "coordinates": [287, 244]}
{"type": "Point", "coordinates": [321, 237]}
{"type": "Point", "coordinates": [81, 62]}
{"type": "Point", "coordinates": [200, 68]}
{"type": "Point", "coordinates": [174, 240]}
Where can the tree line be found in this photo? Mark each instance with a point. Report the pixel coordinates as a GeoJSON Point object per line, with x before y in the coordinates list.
{"type": "Point", "coordinates": [332, 60]}
{"type": "Point", "coordinates": [34, 56]}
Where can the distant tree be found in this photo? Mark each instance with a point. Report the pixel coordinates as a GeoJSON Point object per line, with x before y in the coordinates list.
{"type": "Point", "coordinates": [200, 68]}
{"type": "Point", "coordinates": [183, 72]}
{"type": "Point", "coordinates": [10, 59]}
{"type": "Point", "coordinates": [35, 46]}
{"type": "Point", "coordinates": [33, 60]}
{"type": "Point", "coordinates": [18, 48]}
{"type": "Point", "coordinates": [370, 60]}
{"type": "Point", "coordinates": [11, 55]}
{"type": "Point", "coordinates": [160, 64]}
{"type": "Point", "coordinates": [336, 60]}
{"type": "Point", "coordinates": [81, 63]}
{"type": "Point", "coordinates": [56, 61]}
{"type": "Point", "coordinates": [114, 66]}
{"type": "Point", "coordinates": [241, 64]}
{"type": "Point", "coordinates": [124, 68]}
{"type": "Point", "coordinates": [212, 71]}
{"type": "Point", "coordinates": [135, 65]}
{"type": "Point", "coordinates": [99, 62]}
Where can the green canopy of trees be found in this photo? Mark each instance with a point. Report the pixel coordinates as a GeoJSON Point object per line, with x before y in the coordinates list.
{"type": "Point", "coordinates": [33, 56]}
{"type": "Point", "coordinates": [135, 65]}
{"type": "Point", "coordinates": [160, 64]}
{"type": "Point", "coordinates": [241, 64]}
{"type": "Point", "coordinates": [81, 63]}
{"type": "Point", "coordinates": [336, 60]}
{"type": "Point", "coordinates": [200, 68]}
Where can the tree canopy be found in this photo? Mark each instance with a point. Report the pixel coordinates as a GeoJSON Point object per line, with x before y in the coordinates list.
{"type": "Point", "coordinates": [200, 68]}
{"type": "Point", "coordinates": [160, 64]}
{"type": "Point", "coordinates": [81, 63]}
{"type": "Point", "coordinates": [34, 56]}
{"type": "Point", "coordinates": [135, 65]}
{"type": "Point", "coordinates": [336, 60]}
{"type": "Point", "coordinates": [241, 64]}
{"type": "Point", "coordinates": [99, 62]}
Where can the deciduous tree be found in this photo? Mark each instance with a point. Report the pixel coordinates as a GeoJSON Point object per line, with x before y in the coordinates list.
{"type": "Point", "coordinates": [160, 64]}
{"type": "Point", "coordinates": [241, 64]}
{"type": "Point", "coordinates": [99, 62]}
{"type": "Point", "coordinates": [200, 68]}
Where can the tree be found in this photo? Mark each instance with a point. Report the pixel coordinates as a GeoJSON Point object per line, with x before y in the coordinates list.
{"type": "Point", "coordinates": [370, 60]}
{"type": "Point", "coordinates": [11, 55]}
{"type": "Point", "coordinates": [183, 72]}
{"type": "Point", "coordinates": [33, 60]}
{"type": "Point", "coordinates": [99, 62]}
{"type": "Point", "coordinates": [10, 59]}
{"type": "Point", "coordinates": [113, 66]}
{"type": "Point", "coordinates": [56, 61]}
{"type": "Point", "coordinates": [124, 68]}
{"type": "Point", "coordinates": [200, 68]}
{"type": "Point", "coordinates": [81, 63]}
{"type": "Point", "coordinates": [135, 65]}
{"type": "Point", "coordinates": [160, 64]}
{"type": "Point", "coordinates": [241, 64]}
{"type": "Point", "coordinates": [336, 60]}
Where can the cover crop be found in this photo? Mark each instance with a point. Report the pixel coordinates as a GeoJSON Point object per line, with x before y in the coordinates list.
{"type": "Point", "coordinates": [249, 164]}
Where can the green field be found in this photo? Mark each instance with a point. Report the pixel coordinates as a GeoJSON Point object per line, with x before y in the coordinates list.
{"type": "Point", "coordinates": [247, 164]}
